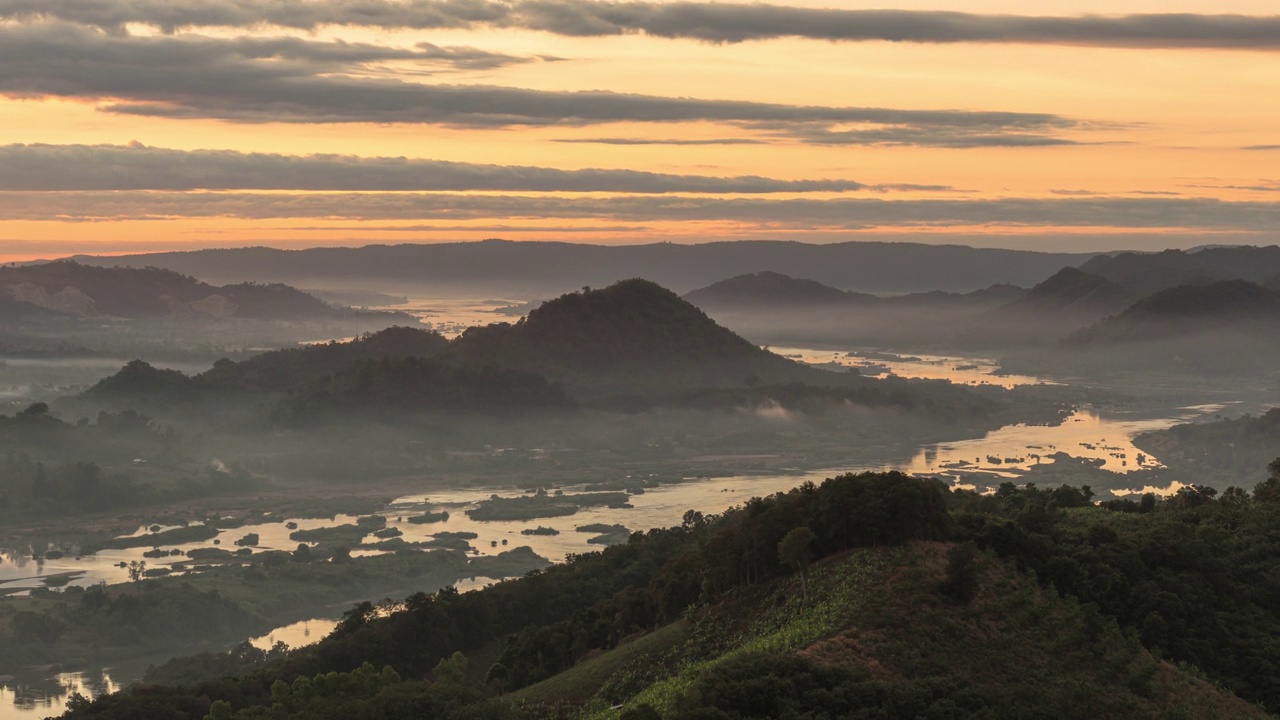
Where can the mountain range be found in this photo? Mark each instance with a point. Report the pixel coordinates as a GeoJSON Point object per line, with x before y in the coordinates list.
{"type": "Point", "coordinates": [633, 340]}
{"type": "Point", "coordinates": [535, 269]}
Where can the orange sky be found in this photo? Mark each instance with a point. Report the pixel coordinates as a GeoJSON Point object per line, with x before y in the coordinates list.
{"type": "Point", "coordinates": [1132, 133]}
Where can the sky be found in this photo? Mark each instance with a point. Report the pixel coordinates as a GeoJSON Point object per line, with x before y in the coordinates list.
{"type": "Point", "coordinates": [148, 125]}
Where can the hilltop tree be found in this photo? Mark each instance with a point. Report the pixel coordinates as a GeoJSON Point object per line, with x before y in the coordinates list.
{"type": "Point", "coordinates": [794, 551]}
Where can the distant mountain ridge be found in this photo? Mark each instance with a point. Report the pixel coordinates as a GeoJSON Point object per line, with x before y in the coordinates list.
{"type": "Point", "coordinates": [631, 346]}
{"type": "Point", "coordinates": [540, 268]}
{"type": "Point", "coordinates": [768, 290]}
{"type": "Point", "coordinates": [1189, 309]}
{"type": "Point", "coordinates": [1071, 293]}
{"type": "Point", "coordinates": [1150, 272]}
{"type": "Point", "coordinates": [632, 334]}
{"type": "Point", "coordinates": [75, 289]}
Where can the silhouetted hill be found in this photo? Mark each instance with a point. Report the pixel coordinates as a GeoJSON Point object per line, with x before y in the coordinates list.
{"type": "Point", "coordinates": [282, 369]}
{"type": "Point", "coordinates": [1187, 310]}
{"type": "Point", "coordinates": [140, 380]}
{"type": "Point", "coordinates": [766, 291]}
{"type": "Point", "coordinates": [988, 297]}
{"type": "Point", "coordinates": [1070, 293]}
{"type": "Point", "coordinates": [1149, 272]}
{"type": "Point", "coordinates": [275, 371]}
{"type": "Point", "coordinates": [74, 289]}
{"type": "Point", "coordinates": [630, 329]}
{"type": "Point", "coordinates": [539, 268]}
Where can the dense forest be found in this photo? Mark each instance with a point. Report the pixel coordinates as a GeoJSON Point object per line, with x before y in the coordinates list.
{"type": "Point", "coordinates": [1223, 450]}
{"type": "Point", "coordinates": [121, 459]}
{"type": "Point", "coordinates": [862, 596]}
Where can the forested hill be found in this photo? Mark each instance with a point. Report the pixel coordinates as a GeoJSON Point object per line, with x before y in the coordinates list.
{"type": "Point", "coordinates": [773, 291]}
{"type": "Point", "coordinates": [1150, 272]}
{"type": "Point", "coordinates": [631, 330]}
{"type": "Point", "coordinates": [1229, 448]}
{"type": "Point", "coordinates": [1071, 294]}
{"type": "Point", "coordinates": [1190, 309]}
{"type": "Point", "coordinates": [867, 596]}
{"type": "Point", "coordinates": [272, 371]}
{"type": "Point", "coordinates": [290, 367]}
{"type": "Point", "coordinates": [74, 289]}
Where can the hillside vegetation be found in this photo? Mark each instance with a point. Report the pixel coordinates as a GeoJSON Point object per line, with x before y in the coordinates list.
{"type": "Point", "coordinates": [868, 596]}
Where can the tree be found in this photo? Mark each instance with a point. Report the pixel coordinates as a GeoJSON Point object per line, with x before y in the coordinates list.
{"type": "Point", "coordinates": [219, 710]}
{"type": "Point", "coordinates": [794, 551]}
{"type": "Point", "coordinates": [137, 570]}
{"type": "Point", "coordinates": [1234, 498]}
{"type": "Point", "coordinates": [35, 410]}
{"type": "Point", "coordinates": [454, 669]}
{"type": "Point", "coordinates": [1268, 491]}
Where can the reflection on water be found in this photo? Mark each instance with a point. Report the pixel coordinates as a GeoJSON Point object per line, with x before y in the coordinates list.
{"type": "Point", "coordinates": [959, 370]}
{"type": "Point", "coordinates": [296, 635]}
{"type": "Point", "coordinates": [450, 316]}
{"type": "Point", "coordinates": [41, 696]}
{"type": "Point", "coordinates": [1105, 441]}
{"type": "Point", "coordinates": [661, 506]}
{"type": "Point", "coordinates": [19, 569]}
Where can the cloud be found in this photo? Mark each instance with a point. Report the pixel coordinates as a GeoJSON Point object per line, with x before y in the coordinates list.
{"type": "Point", "coordinates": [1261, 147]}
{"type": "Point", "coordinates": [705, 21]}
{"type": "Point", "coordinates": [923, 135]}
{"type": "Point", "coordinates": [137, 167]}
{"type": "Point", "coordinates": [251, 80]}
{"type": "Point", "coordinates": [736, 22]}
{"type": "Point", "coordinates": [796, 214]}
{"type": "Point", "coordinates": [661, 141]}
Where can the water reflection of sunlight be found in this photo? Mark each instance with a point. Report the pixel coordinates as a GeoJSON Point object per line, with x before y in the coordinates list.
{"type": "Point", "coordinates": [24, 698]}
{"type": "Point", "coordinates": [955, 369]}
{"type": "Point", "coordinates": [1171, 489]}
{"type": "Point", "coordinates": [1006, 452]}
{"type": "Point", "coordinates": [450, 316]}
{"type": "Point", "coordinates": [296, 635]}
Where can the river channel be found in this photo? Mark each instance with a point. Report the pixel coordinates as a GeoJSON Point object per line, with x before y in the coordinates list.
{"type": "Point", "coordinates": [1103, 438]}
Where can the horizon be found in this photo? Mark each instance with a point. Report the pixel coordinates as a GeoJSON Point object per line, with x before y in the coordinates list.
{"type": "Point", "coordinates": [91, 253]}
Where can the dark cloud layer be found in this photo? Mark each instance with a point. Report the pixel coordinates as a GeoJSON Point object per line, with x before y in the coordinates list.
{"type": "Point", "coordinates": [801, 214]}
{"type": "Point", "coordinates": [714, 22]}
{"type": "Point", "coordinates": [290, 80]}
{"type": "Point", "coordinates": [136, 167]}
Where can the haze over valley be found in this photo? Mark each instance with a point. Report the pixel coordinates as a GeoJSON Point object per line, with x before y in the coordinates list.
{"type": "Point", "coordinates": [518, 360]}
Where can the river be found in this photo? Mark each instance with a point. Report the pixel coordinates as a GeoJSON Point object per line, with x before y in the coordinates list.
{"type": "Point", "coordinates": [1102, 437]}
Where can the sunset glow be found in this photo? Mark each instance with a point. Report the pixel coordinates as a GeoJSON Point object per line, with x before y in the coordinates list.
{"type": "Point", "coordinates": [1087, 126]}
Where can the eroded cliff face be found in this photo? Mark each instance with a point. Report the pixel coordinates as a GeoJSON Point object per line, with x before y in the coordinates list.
{"type": "Point", "coordinates": [70, 300]}
{"type": "Point", "coordinates": [214, 306]}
